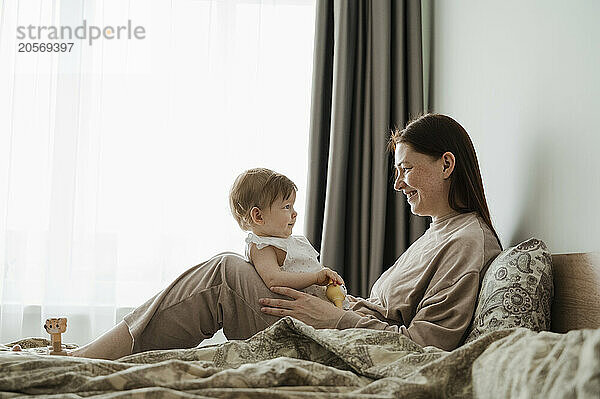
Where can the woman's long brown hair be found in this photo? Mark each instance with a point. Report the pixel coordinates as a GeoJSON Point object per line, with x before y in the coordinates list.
{"type": "Point", "coordinates": [435, 134]}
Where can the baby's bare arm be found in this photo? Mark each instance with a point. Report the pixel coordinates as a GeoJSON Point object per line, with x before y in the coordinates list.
{"type": "Point", "coordinates": [265, 263]}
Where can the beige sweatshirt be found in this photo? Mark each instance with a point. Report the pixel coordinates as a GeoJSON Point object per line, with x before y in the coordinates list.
{"type": "Point", "coordinates": [430, 293]}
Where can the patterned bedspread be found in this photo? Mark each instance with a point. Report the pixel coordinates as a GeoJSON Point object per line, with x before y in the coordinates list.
{"type": "Point", "coordinates": [293, 360]}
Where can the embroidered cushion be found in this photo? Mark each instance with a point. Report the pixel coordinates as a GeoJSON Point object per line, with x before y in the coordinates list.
{"type": "Point", "coordinates": [516, 291]}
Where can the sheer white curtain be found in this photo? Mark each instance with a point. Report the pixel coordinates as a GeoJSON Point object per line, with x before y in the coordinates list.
{"type": "Point", "coordinates": [116, 159]}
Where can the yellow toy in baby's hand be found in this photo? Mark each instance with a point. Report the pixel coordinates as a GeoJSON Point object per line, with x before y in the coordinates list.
{"type": "Point", "coordinates": [55, 327]}
{"type": "Point", "coordinates": [335, 294]}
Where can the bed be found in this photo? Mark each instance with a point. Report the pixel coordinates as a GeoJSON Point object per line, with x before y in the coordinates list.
{"type": "Point", "coordinates": [293, 360]}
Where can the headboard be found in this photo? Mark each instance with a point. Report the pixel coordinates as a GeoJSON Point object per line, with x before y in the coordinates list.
{"type": "Point", "coordinates": [576, 302]}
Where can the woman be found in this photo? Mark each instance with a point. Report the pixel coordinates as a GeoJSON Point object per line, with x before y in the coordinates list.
{"type": "Point", "coordinates": [429, 294]}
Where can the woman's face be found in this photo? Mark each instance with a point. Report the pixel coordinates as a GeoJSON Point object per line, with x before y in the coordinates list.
{"type": "Point", "coordinates": [424, 180]}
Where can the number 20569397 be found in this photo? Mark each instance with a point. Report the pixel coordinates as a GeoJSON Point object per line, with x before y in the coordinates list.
{"type": "Point", "coordinates": [44, 47]}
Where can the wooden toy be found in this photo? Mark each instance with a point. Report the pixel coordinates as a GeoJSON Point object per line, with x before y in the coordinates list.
{"type": "Point", "coordinates": [335, 294]}
{"type": "Point", "coordinates": [55, 327]}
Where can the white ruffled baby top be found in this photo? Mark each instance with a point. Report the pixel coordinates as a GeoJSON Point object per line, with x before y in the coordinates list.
{"type": "Point", "coordinates": [300, 257]}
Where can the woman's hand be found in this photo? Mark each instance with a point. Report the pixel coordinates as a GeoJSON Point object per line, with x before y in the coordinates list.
{"type": "Point", "coordinates": [326, 274]}
{"type": "Point", "coordinates": [304, 307]}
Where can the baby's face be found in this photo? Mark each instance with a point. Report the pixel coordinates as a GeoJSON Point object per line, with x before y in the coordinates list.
{"type": "Point", "coordinates": [279, 220]}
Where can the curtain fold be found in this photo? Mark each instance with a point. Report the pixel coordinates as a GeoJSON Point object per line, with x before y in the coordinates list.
{"type": "Point", "coordinates": [367, 78]}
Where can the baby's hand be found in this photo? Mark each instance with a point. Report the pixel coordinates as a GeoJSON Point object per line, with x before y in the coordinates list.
{"type": "Point", "coordinates": [326, 274]}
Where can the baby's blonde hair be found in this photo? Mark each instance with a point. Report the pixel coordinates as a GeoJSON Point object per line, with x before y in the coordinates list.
{"type": "Point", "coordinates": [258, 187]}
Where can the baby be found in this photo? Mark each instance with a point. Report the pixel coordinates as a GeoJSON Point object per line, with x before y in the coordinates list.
{"type": "Point", "coordinates": [262, 202]}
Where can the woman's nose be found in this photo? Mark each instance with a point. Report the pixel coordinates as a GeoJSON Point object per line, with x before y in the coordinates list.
{"type": "Point", "coordinates": [399, 184]}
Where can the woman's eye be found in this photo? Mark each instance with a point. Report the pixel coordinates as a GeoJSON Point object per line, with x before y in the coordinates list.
{"type": "Point", "coordinates": [405, 169]}
{"type": "Point", "coordinates": [287, 207]}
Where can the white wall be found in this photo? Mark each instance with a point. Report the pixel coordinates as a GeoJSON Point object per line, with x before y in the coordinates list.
{"type": "Point", "coordinates": [523, 77]}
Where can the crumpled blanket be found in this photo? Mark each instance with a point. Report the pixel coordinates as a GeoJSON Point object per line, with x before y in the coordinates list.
{"type": "Point", "coordinates": [293, 360]}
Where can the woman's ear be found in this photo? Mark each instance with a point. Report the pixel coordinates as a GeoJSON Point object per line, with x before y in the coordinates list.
{"type": "Point", "coordinates": [256, 215]}
{"type": "Point", "coordinates": [448, 162]}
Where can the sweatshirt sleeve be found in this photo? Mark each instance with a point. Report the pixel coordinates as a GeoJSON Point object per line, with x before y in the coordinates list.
{"type": "Point", "coordinates": [441, 319]}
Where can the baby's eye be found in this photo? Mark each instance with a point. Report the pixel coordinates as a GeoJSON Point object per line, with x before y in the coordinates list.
{"type": "Point", "coordinates": [405, 169]}
{"type": "Point", "coordinates": [287, 207]}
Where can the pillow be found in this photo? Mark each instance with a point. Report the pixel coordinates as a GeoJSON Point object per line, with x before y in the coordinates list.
{"type": "Point", "coordinates": [516, 291]}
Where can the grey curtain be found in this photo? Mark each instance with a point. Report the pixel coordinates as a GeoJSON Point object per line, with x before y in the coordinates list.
{"type": "Point", "coordinates": [367, 78]}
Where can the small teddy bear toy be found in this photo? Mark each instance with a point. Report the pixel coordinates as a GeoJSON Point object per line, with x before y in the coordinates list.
{"type": "Point", "coordinates": [55, 327]}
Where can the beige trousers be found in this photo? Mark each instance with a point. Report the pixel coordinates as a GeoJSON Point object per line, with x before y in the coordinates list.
{"type": "Point", "coordinates": [222, 292]}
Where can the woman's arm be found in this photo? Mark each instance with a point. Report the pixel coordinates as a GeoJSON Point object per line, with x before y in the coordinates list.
{"type": "Point", "coordinates": [265, 263]}
{"type": "Point", "coordinates": [304, 307]}
{"type": "Point", "coordinates": [441, 319]}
